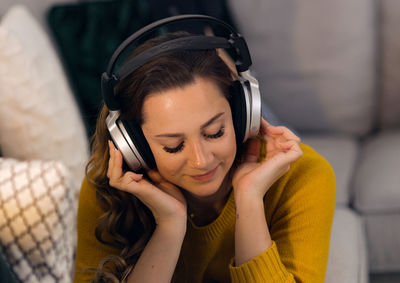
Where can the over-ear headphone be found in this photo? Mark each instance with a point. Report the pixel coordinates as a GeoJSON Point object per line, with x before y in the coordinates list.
{"type": "Point", "coordinates": [245, 99]}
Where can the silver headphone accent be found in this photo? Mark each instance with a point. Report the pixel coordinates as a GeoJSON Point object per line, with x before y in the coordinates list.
{"type": "Point", "coordinates": [123, 141]}
{"type": "Point", "coordinates": [253, 103]}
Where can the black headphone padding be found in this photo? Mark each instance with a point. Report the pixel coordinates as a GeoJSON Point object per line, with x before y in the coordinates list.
{"type": "Point", "coordinates": [136, 134]}
{"type": "Point", "coordinates": [238, 107]}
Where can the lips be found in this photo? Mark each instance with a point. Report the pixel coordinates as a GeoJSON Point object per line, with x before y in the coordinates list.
{"type": "Point", "coordinates": [205, 177]}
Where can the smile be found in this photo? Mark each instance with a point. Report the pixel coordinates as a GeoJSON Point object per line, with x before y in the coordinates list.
{"type": "Point", "coordinates": [205, 177]}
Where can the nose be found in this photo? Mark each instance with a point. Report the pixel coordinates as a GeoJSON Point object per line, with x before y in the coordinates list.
{"type": "Point", "coordinates": [200, 155]}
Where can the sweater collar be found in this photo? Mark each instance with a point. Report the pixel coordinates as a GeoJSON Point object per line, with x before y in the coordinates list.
{"type": "Point", "coordinates": [225, 221]}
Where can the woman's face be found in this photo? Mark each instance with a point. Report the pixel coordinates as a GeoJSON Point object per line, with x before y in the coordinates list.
{"type": "Point", "coordinates": [191, 135]}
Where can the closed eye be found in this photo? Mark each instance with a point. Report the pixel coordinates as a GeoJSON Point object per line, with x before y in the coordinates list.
{"type": "Point", "coordinates": [180, 147]}
{"type": "Point", "coordinates": [174, 149]}
{"type": "Point", "coordinates": [218, 134]}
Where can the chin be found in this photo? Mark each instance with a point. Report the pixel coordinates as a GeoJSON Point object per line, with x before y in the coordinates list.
{"type": "Point", "coordinates": [205, 189]}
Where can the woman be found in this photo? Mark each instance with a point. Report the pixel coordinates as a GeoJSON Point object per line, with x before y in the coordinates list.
{"type": "Point", "coordinates": [251, 219]}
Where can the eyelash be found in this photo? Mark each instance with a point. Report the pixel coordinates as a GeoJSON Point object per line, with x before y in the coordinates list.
{"type": "Point", "coordinates": [175, 149]}
{"type": "Point", "coordinates": [217, 135]}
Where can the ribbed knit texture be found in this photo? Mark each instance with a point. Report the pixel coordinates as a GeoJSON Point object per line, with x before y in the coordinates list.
{"type": "Point", "coordinates": [267, 265]}
{"type": "Point", "coordinates": [299, 211]}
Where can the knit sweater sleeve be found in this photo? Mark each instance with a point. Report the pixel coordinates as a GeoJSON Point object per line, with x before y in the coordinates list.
{"type": "Point", "coordinates": [299, 210]}
{"type": "Point", "coordinates": [90, 252]}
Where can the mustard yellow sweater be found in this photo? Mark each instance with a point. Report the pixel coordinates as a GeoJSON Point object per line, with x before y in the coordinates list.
{"type": "Point", "coordinates": [299, 211]}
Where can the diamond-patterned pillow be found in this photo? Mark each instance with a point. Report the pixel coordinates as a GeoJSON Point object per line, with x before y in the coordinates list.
{"type": "Point", "coordinates": [37, 220]}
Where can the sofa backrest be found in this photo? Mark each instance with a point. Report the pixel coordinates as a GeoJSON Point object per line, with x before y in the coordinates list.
{"type": "Point", "coordinates": [389, 111]}
{"type": "Point", "coordinates": [316, 61]}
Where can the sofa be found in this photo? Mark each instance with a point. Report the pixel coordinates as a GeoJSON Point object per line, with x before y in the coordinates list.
{"type": "Point", "coordinates": [331, 70]}
{"type": "Point", "coordinates": [328, 70]}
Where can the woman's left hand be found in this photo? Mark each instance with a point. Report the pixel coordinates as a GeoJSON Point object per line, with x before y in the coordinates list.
{"type": "Point", "coordinates": [252, 178]}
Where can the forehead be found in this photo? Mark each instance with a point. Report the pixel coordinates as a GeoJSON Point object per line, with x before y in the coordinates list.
{"type": "Point", "coordinates": [190, 105]}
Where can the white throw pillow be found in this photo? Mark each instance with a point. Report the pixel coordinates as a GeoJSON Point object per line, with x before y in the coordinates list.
{"type": "Point", "coordinates": [37, 220]}
{"type": "Point", "coordinates": [39, 118]}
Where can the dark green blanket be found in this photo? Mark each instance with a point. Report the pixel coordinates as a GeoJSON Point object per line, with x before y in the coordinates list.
{"type": "Point", "coordinates": [6, 274]}
{"type": "Point", "coordinates": [87, 33]}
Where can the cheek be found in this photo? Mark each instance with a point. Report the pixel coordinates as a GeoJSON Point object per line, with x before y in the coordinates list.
{"type": "Point", "coordinates": [168, 166]}
{"type": "Point", "coordinates": [228, 148]}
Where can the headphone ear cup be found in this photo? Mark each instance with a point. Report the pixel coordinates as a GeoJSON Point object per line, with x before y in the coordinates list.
{"type": "Point", "coordinates": [139, 141]}
{"type": "Point", "coordinates": [239, 112]}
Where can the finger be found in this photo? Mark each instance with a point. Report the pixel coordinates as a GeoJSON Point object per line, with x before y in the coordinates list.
{"type": "Point", "coordinates": [253, 150]}
{"type": "Point", "coordinates": [116, 169]}
{"type": "Point", "coordinates": [265, 123]}
{"type": "Point", "coordinates": [131, 176]}
{"type": "Point", "coordinates": [272, 143]}
{"type": "Point", "coordinates": [135, 184]}
{"type": "Point", "coordinates": [130, 182]}
{"type": "Point", "coordinates": [111, 158]}
{"type": "Point", "coordinates": [285, 132]}
{"type": "Point", "coordinates": [292, 150]}
{"type": "Point", "coordinates": [282, 130]}
{"type": "Point", "coordinates": [264, 126]}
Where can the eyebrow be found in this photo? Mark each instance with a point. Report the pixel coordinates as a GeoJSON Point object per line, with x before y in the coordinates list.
{"type": "Point", "coordinates": [177, 135]}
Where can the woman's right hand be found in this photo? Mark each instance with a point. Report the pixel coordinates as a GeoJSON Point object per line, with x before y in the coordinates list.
{"type": "Point", "coordinates": [164, 199]}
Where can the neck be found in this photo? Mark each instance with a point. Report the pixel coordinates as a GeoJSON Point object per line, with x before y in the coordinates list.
{"type": "Point", "coordinates": [204, 210]}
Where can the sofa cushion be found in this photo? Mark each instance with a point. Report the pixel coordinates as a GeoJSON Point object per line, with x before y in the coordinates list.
{"type": "Point", "coordinates": [37, 220]}
{"type": "Point", "coordinates": [314, 60]}
{"type": "Point", "coordinates": [377, 178]}
{"type": "Point", "coordinates": [390, 98]}
{"type": "Point", "coordinates": [341, 152]}
{"type": "Point", "coordinates": [383, 234]}
{"type": "Point", "coordinates": [39, 118]}
{"type": "Point", "coordinates": [348, 256]}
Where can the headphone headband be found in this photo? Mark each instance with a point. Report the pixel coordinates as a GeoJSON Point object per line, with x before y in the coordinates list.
{"type": "Point", "coordinates": [157, 24]}
{"type": "Point", "coordinates": [236, 42]}
{"type": "Point", "coordinates": [198, 42]}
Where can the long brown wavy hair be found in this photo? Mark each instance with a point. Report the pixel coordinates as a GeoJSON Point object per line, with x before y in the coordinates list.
{"type": "Point", "coordinates": [127, 223]}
